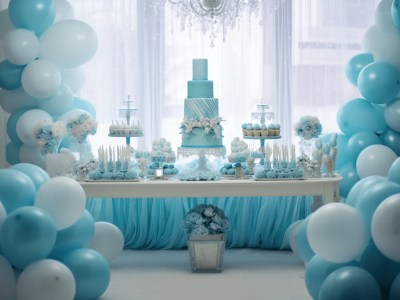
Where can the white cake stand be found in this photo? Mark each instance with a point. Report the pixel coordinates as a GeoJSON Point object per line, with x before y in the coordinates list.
{"type": "Point", "coordinates": [201, 152]}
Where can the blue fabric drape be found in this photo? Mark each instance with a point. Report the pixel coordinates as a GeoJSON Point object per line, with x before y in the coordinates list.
{"type": "Point", "coordinates": [155, 223]}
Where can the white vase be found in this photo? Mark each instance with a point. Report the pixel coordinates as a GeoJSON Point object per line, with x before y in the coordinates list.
{"type": "Point", "coordinates": [206, 252]}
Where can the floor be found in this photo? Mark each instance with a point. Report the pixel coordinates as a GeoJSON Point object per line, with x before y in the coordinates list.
{"type": "Point", "coordinates": [248, 274]}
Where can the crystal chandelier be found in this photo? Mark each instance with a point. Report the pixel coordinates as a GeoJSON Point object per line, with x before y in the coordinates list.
{"type": "Point", "coordinates": [216, 16]}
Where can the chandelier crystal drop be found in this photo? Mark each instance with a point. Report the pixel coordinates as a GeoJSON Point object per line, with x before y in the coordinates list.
{"type": "Point", "coordinates": [215, 17]}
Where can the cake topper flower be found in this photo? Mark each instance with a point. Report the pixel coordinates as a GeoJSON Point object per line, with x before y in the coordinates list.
{"type": "Point", "coordinates": [308, 127]}
{"type": "Point", "coordinates": [210, 125]}
{"type": "Point", "coordinates": [205, 219]}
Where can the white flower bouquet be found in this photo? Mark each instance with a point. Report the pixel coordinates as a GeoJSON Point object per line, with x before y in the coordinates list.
{"type": "Point", "coordinates": [308, 127]}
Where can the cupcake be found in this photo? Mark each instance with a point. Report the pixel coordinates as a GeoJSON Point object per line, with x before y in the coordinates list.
{"type": "Point", "coordinates": [256, 130]}
{"type": "Point", "coordinates": [264, 130]}
{"type": "Point", "coordinates": [244, 129]}
{"type": "Point", "coordinates": [271, 129]}
{"type": "Point", "coordinates": [249, 129]}
{"type": "Point", "coordinates": [277, 130]}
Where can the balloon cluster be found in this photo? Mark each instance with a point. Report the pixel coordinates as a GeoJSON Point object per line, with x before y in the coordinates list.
{"type": "Point", "coordinates": [50, 246]}
{"type": "Point", "coordinates": [44, 49]}
{"type": "Point", "coordinates": [351, 249]}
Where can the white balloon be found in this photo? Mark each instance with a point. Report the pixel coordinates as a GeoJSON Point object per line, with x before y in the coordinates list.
{"type": "Point", "coordinates": [5, 23]}
{"type": "Point", "coordinates": [74, 78]}
{"type": "Point", "coordinates": [293, 236]}
{"type": "Point", "coordinates": [392, 114]}
{"type": "Point", "coordinates": [337, 233]}
{"type": "Point", "coordinates": [21, 46]}
{"type": "Point", "coordinates": [68, 44]}
{"type": "Point", "coordinates": [372, 38]}
{"type": "Point", "coordinates": [63, 198]}
{"type": "Point", "coordinates": [31, 155]}
{"type": "Point", "coordinates": [27, 123]}
{"type": "Point", "coordinates": [375, 160]}
{"type": "Point", "coordinates": [383, 16]}
{"type": "Point", "coordinates": [64, 10]}
{"type": "Point", "coordinates": [66, 117]}
{"type": "Point", "coordinates": [13, 100]}
{"type": "Point", "coordinates": [8, 281]}
{"type": "Point", "coordinates": [108, 240]}
{"type": "Point", "coordinates": [59, 103]}
{"type": "Point", "coordinates": [41, 79]}
{"type": "Point", "coordinates": [385, 227]}
{"type": "Point", "coordinates": [46, 279]}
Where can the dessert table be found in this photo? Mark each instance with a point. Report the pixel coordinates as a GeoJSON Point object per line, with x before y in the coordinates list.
{"type": "Point", "coordinates": [324, 186]}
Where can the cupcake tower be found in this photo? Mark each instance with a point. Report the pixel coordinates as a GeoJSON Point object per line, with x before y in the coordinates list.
{"type": "Point", "coordinates": [257, 130]}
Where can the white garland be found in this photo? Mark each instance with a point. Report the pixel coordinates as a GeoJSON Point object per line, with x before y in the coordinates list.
{"type": "Point", "coordinates": [210, 125]}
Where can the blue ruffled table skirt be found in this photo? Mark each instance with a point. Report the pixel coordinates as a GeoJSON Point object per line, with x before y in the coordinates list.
{"type": "Point", "coordinates": [155, 223]}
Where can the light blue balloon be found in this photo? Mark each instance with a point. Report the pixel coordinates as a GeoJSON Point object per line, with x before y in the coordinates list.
{"type": "Point", "coordinates": [35, 15]}
{"type": "Point", "coordinates": [359, 141]}
{"type": "Point", "coordinates": [66, 143]}
{"type": "Point", "coordinates": [59, 103]}
{"type": "Point", "coordinates": [380, 114]}
{"type": "Point", "coordinates": [395, 289]}
{"type": "Point", "coordinates": [350, 283]}
{"type": "Point", "coordinates": [78, 235]}
{"type": "Point", "coordinates": [356, 64]}
{"type": "Point", "coordinates": [91, 272]}
{"type": "Point", "coordinates": [10, 75]}
{"type": "Point", "coordinates": [303, 246]}
{"type": "Point", "coordinates": [357, 115]}
{"type": "Point", "coordinates": [27, 235]}
{"type": "Point", "coordinates": [12, 153]}
{"type": "Point", "coordinates": [16, 189]}
{"type": "Point", "coordinates": [383, 269]}
{"type": "Point", "coordinates": [35, 173]}
{"type": "Point", "coordinates": [316, 272]}
{"type": "Point", "coordinates": [391, 139]}
{"type": "Point", "coordinates": [379, 82]}
{"type": "Point", "coordinates": [85, 105]}
{"type": "Point", "coordinates": [394, 171]}
{"type": "Point", "coordinates": [370, 200]}
{"type": "Point", "coordinates": [350, 178]}
{"type": "Point", "coordinates": [395, 12]}
{"type": "Point", "coordinates": [12, 126]}
{"type": "Point", "coordinates": [361, 186]}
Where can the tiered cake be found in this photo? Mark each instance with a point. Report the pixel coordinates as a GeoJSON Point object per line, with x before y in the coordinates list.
{"type": "Point", "coordinates": [201, 127]}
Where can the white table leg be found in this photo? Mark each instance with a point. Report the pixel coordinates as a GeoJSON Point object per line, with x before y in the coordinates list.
{"type": "Point", "coordinates": [317, 203]}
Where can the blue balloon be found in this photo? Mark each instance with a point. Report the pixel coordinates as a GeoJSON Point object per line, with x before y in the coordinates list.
{"type": "Point", "coordinates": [35, 173]}
{"type": "Point", "coordinates": [303, 246]}
{"type": "Point", "coordinates": [85, 105]}
{"type": "Point", "coordinates": [16, 189]}
{"type": "Point", "coordinates": [350, 283]}
{"type": "Point", "coordinates": [27, 234]}
{"type": "Point", "coordinates": [395, 289]}
{"type": "Point", "coordinates": [395, 12]}
{"type": "Point", "coordinates": [78, 235]}
{"type": "Point", "coordinates": [67, 143]}
{"type": "Point", "coordinates": [12, 126]}
{"type": "Point", "coordinates": [357, 115]}
{"type": "Point", "coordinates": [374, 196]}
{"type": "Point", "coordinates": [391, 139]}
{"type": "Point", "coordinates": [35, 15]}
{"type": "Point", "coordinates": [10, 75]}
{"type": "Point", "coordinates": [383, 269]}
{"type": "Point", "coordinates": [394, 171]}
{"type": "Point", "coordinates": [380, 114]}
{"type": "Point", "coordinates": [359, 141]}
{"type": "Point", "coordinates": [91, 272]}
{"type": "Point", "coordinates": [12, 153]}
{"type": "Point", "coordinates": [316, 272]}
{"type": "Point", "coordinates": [361, 186]}
{"type": "Point", "coordinates": [379, 82]}
{"type": "Point", "coordinates": [350, 178]}
{"type": "Point", "coordinates": [356, 64]}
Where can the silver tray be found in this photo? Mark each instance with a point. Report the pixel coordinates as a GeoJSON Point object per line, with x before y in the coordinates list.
{"type": "Point", "coordinates": [278, 179]}
{"type": "Point", "coordinates": [110, 180]}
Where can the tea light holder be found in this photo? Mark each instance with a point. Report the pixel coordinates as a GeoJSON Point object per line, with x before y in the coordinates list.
{"type": "Point", "coordinates": [159, 173]}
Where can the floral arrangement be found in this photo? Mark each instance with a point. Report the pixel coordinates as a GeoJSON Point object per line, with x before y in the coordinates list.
{"type": "Point", "coordinates": [212, 125]}
{"type": "Point", "coordinates": [80, 126]}
{"type": "Point", "coordinates": [49, 136]}
{"type": "Point", "coordinates": [84, 168]}
{"type": "Point", "coordinates": [205, 219]}
{"type": "Point", "coordinates": [308, 127]}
